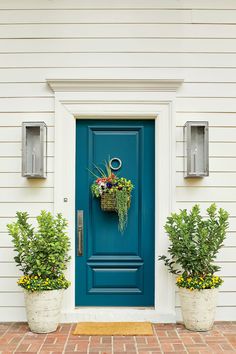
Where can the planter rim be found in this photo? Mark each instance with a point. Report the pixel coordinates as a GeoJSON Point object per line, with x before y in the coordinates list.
{"type": "Point", "coordinates": [196, 290]}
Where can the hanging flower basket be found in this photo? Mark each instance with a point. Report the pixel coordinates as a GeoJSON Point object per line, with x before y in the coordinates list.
{"type": "Point", "coordinates": [115, 194]}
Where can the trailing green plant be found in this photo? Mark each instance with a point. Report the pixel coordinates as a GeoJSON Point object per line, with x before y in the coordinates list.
{"type": "Point", "coordinates": [42, 254]}
{"type": "Point", "coordinates": [194, 244]}
{"type": "Point", "coordinates": [122, 199]}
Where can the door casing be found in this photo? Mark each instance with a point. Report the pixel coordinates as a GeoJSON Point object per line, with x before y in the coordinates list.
{"type": "Point", "coordinates": [129, 99]}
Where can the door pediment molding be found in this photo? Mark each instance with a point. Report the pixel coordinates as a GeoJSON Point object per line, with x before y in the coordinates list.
{"type": "Point", "coordinates": [118, 85]}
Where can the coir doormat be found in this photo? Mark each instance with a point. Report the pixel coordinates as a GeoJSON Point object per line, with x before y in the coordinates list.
{"type": "Point", "coordinates": [113, 329]}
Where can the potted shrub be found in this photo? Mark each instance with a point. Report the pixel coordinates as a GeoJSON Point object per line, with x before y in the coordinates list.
{"type": "Point", "coordinates": [42, 256]}
{"type": "Point", "coordinates": [194, 244]}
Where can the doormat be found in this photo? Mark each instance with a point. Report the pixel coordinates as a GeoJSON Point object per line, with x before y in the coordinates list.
{"type": "Point", "coordinates": [113, 329]}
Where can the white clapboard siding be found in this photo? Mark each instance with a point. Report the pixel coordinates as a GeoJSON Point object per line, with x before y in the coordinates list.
{"type": "Point", "coordinates": [205, 194]}
{"type": "Point", "coordinates": [15, 119]}
{"type": "Point", "coordinates": [214, 16]}
{"type": "Point", "coordinates": [9, 270]}
{"type": "Point", "coordinates": [190, 74]}
{"type": "Point", "coordinates": [13, 149]}
{"type": "Point", "coordinates": [207, 90]}
{"type": "Point", "coordinates": [13, 313]}
{"type": "Point", "coordinates": [216, 119]}
{"type": "Point", "coordinates": [26, 195]}
{"type": "Point", "coordinates": [25, 90]}
{"type": "Point", "coordinates": [13, 134]}
{"type": "Point", "coordinates": [76, 39]}
{"type": "Point", "coordinates": [216, 149]}
{"type": "Point", "coordinates": [217, 164]}
{"type": "Point", "coordinates": [13, 164]}
{"type": "Point", "coordinates": [96, 16]}
{"type": "Point", "coordinates": [26, 104]}
{"type": "Point", "coordinates": [215, 179]}
{"type": "Point", "coordinates": [16, 180]}
{"type": "Point", "coordinates": [78, 45]}
{"type": "Point", "coordinates": [104, 60]}
{"type": "Point", "coordinates": [34, 209]}
{"type": "Point", "coordinates": [204, 104]}
{"type": "Point", "coordinates": [12, 299]}
{"type": "Point", "coordinates": [223, 134]}
{"type": "Point", "coordinates": [118, 30]}
{"type": "Point", "coordinates": [122, 4]}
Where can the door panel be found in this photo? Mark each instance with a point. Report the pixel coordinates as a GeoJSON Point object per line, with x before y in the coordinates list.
{"type": "Point", "coordinates": [116, 269]}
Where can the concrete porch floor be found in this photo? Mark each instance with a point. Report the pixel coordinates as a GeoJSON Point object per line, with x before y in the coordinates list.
{"type": "Point", "coordinates": [167, 338]}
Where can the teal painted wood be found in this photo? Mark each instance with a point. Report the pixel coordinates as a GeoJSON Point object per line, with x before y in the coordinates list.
{"type": "Point", "coordinates": [116, 269]}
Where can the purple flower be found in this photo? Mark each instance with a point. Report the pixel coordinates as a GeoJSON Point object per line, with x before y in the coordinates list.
{"type": "Point", "coordinates": [109, 185]}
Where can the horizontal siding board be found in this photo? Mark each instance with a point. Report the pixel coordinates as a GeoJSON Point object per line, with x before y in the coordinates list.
{"type": "Point", "coordinates": [189, 74]}
{"type": "Point", "coordinates": [27, 104]}
{"type": "Point", "coordinates": [34, 209]}
{"type": "Point", "coordinates": [12, 299]}
{"type": "Point", "coordinates": [13, 134]}
{"type": "Point", "coordinates": [219, 134]}
{"type": "Point", "coordinates": [17, 180]}
{"type": "Point", "coordinates": [220, 179]}
{"type": "Point", "coordinates": [200, 194]}
{"type": "Point", "coordinates": [181, 60]}
{"type": "Point", "coordinates": [15, 119]}
{"type": "Point", "coordinates": [12, 314]}
{"type": "Point", "coordinates": [219, 164]}
{"type": "Point", "coordinates": [9, 149]}
{"type": "Point", "coordinates": [214, 16]}
{"type": "Point", "coordinates": [26, 195]}
{"type": "Point", "coordinates": [122, 4]}
{"type": "Point", "coordinates": [217, 119]}
{"type": "Point", "coordinates": [207, 90]}
{"type": "Point", "coordinates": [25, 90]}
{"type": "Point", "coordinates": [205, 104]}
{"type": "Point", "coordinates": [127, 45]}
{"type": "Point", "coordinates": [13, 165]}
{"type": "Point", "coordinates": [215, 150]}
{"type": "Point", "coordinates": [9, 270]}
{"type": "Point", "coordinates": [95, 16]}
{"type": "Point", "coordinates": [117, 30]}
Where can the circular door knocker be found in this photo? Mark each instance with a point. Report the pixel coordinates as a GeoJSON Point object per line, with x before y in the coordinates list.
{"type": "Point", "coordinates": [117, 162]}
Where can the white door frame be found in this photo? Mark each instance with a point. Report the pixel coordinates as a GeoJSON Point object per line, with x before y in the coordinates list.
{"type": "Point", "coordinates": [112, 99]}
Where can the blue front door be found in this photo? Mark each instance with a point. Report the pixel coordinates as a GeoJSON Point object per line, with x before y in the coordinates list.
{"type": "Point", "coordinates": [115, 269]}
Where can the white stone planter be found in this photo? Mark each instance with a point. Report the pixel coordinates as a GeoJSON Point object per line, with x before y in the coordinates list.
{"type": "Point", "coordinates": [43, 310]}
{"type": "Point", "coordinates": [198, 308]}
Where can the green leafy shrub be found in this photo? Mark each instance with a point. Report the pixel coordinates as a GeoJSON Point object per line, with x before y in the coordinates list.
{"type": "Point", "coordinates": [194, 244]}
{"type": "Point", "coordinates": [41, 254]}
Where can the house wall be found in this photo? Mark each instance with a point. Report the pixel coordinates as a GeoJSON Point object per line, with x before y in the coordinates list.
{"type": "Point", "coordinates": [191, 39]}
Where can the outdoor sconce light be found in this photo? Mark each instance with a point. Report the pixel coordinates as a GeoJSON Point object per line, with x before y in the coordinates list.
{"type": "Point", "coordinates": [34, 150]}
{"type": "Point", "coordinates": [196, 155]}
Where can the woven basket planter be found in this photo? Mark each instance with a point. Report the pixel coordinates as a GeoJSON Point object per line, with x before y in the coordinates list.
{"type": "Point", "coordinates": [108, 202]}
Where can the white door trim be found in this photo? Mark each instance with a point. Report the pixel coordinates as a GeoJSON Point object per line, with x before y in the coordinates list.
{"type": "Point", "coordinates": [117, 99]}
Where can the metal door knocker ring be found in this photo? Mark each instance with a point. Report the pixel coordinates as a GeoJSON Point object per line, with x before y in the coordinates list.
{"type": "Point", "coordinates": [118, 162]}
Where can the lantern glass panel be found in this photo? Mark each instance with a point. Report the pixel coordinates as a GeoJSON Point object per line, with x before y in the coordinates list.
{"type": "Point", "coordinates": [196, 159]}
{"type": "Point", "coordinates": [34, 149]}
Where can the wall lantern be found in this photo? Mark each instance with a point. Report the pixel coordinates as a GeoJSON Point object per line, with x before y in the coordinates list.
{"type": "Point", "coordinates": [34, 150]}
{"type": "Point", "coordinates": [196, 155]}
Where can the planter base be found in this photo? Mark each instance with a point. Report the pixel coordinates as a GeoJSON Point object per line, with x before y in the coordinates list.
{"type": "Point", "coordinates": [198, 308]}
{"type": "Point", "coordinates": [43, 310]}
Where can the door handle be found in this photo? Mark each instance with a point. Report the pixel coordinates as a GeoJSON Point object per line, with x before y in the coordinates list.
{"type": "Point", "coordinates": [80, 232]}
